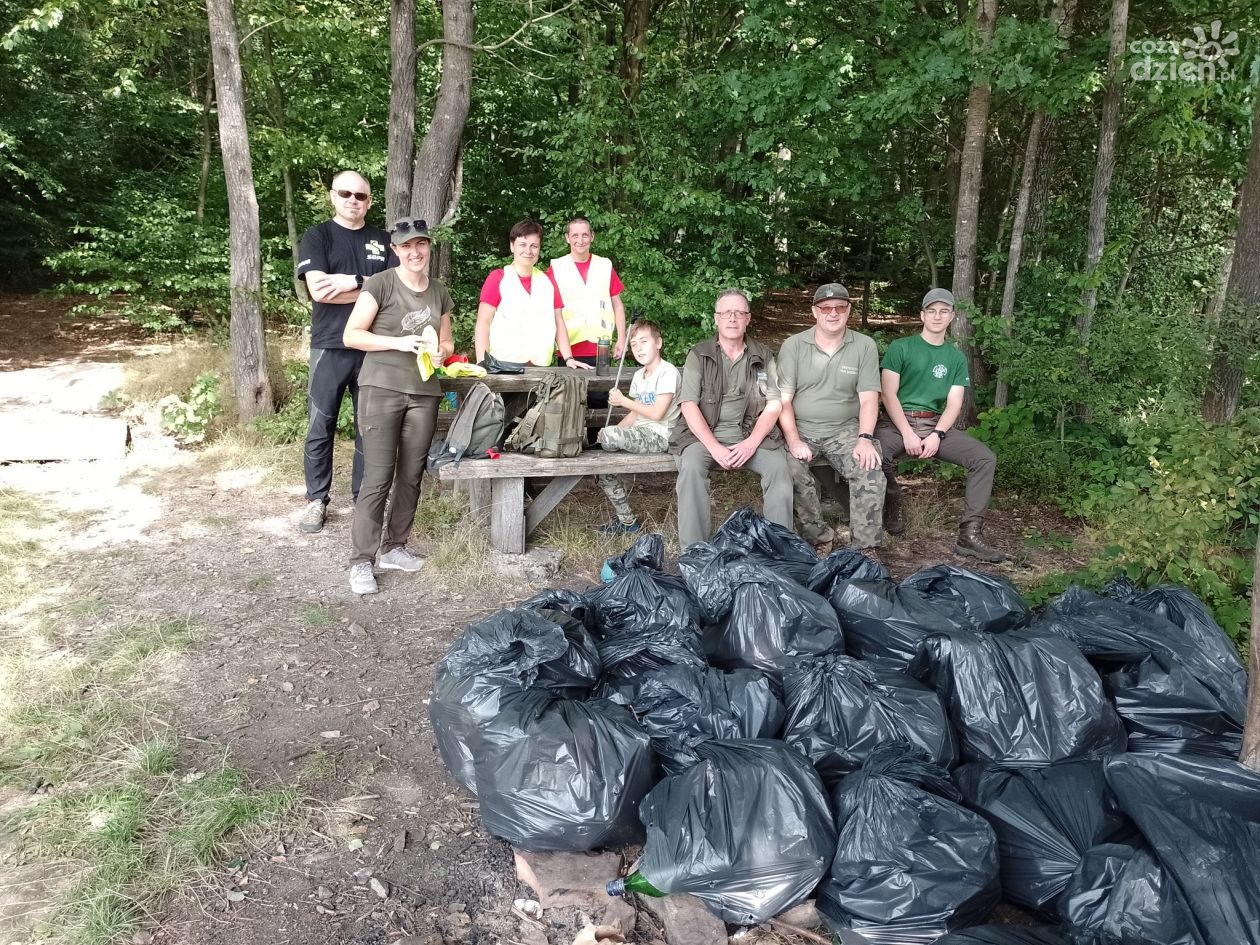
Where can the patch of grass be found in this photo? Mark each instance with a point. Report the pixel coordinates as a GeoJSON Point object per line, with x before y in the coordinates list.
{"type": "Point", "coordinates": [437, 512]}
{"type": "Point", "coordinates": [238, 449]}
{"type": "Point", "coordinates": [155, 755]}
{"type": "Point", "coordinates": [1036, 538]}
{"type": "Point", "coordinates": [87, 607]}
{"type": "Point", "coordinates": [21, 554]}
{"type": "Point", "coordinates": [317, 616]}
{"type": "Point", "coordinates": [151, 378]}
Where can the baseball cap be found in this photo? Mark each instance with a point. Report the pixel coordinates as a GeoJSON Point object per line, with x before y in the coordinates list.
{"type": "Point", "coordinates": [832, 290]}
{"type": "Point", "coordinates": [408, 229]}
{"type": "Point", "coordinates": [937, 295]}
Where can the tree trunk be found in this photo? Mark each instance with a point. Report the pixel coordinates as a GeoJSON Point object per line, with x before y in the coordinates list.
{"type": "Point", "coordinates": [1043, 185]}
{"type": "Point", "coordinates": [249, 354]}
{"type": "Point", "coordinates": [203, 181]}
{"type": "Point", "coordinates": [1001, 397]}
{"type": "Point", "coordinates": [1004, 220]}
{"type": "Point", "coordinates": [636, 15]}
{"type": "Point", "coordinates": [967, 215]}
{"type": "Point", "coordinates": [402, 107]}
{"type": "Point", "coordinates": [933, 273]}
{"type": "Point", "coordinates": [1113, 98]}
{"type": "Point", "coordinates": [1250, 755]}
{"type": "Point", "coordinates": [437, 156]}
{"type": "Point", "coordinates": [1236, 333]}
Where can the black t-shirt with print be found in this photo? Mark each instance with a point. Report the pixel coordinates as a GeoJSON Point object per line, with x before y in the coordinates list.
{"type": "Point", "coordinates": [332, 248]}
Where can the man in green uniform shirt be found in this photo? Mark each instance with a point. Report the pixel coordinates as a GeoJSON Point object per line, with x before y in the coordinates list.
{"type": "Point", "coordinates": [729, 402]}
{"type": "Point", "coordinates": [923, 382]}
{"type": "Point", "coordinates": [829, 384]}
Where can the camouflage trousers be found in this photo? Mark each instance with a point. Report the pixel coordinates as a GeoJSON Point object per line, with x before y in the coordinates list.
{"type": "Point", "coordinates": [866, 494]}
{"type": "Point", "coordinates": [634, 439]}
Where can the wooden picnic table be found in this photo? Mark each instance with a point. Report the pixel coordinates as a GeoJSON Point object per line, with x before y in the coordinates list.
{"type": "Point", "coordinates": [523, 383]}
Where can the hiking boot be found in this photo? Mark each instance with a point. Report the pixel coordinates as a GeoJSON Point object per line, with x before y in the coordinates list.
{"type": "Point", "coordinates": [971, 543]}
{"type": "Point", "coordinates": [620, 528]}
{"type": "Point", "coordinates": [362, 580]}
{"type": "Point", "coordinates": [312, 519]}
{"type": "Point", "coordinates": [400, 558]}
{"type": "Point", "coordinates": [894, 520]}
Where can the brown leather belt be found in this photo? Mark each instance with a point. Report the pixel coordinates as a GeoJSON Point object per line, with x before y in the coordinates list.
{"type": "Point", "coordinates": [921, 414]}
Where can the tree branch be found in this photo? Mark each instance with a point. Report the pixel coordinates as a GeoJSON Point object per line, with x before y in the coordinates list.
{"type": "Point", "coordinates": [478, 47]}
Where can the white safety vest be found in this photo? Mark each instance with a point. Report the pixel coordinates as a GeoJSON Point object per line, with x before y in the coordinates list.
{"type": "Point", "coordinates": [588, 312]}
{"type": "Point", "coordinates": [524, 325]}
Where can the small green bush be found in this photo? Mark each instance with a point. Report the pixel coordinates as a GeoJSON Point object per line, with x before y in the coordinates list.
{"type": "Point", "coordinates": [188, 418]}
{"type": "Point", "coordinates": [289, 423]}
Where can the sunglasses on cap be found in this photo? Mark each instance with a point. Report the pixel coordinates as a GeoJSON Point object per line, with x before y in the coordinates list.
{"type": "Point", "coordinates": [356, 194]}
{"type": "Point", "coordinates": [420, 227]}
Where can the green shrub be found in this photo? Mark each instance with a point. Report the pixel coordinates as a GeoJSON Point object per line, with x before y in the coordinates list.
{"type": "Point", "coordinates": [188, 418]}
{"type": "Point", "coordinates": [289, 423]}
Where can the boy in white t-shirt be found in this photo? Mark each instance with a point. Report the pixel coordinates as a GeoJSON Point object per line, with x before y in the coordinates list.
{"type": "Point", "coordinates": [650, 409]}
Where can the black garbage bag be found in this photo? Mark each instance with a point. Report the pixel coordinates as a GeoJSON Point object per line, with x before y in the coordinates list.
{"type": "Point", "coordinates": [911, 862]}
{"type": "Point", "coordinates": [1015, 935]}
{"type": "Point", "coordinates": [1201, 816]}
{"type": "Point", "coordinates": [754, 617]}
{"type": "Point", "coordinates": [1123, 893]}
{"type": "Point", "coordinates": [508, 652]}
{"type": "Point", "coordinates": [648, 552]}
{"type": "Point", "coordinates": [992, 602]}
{"type": "Point", "coordinates": [561, 599]}
{"type": "Point", "coordinates": [1175, 691]}
{"type": "Point", "coordinates": [1045, 819]}
{"type": "Point", "coordinates": [767, 543]}
{"type": "Point", "coordinates": [747, 830]}
{"type": "Point", "coordinates": [1020, 698]}
{"type": "Point", "coordinates": [841, 566]}
{"type": "Point", "coordinates": [884, 622]}
{"type": "Point", "coordinates": [572, 781]}
{"type": "Point", "coordinates": [682, 706]}
{"type": "Point", "coordinates": [839, 710]}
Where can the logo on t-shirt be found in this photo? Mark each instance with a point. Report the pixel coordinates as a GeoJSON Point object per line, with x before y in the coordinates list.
{"type": "Point", "coordinates": [939, 371]}
{"type": "Point", "coordinates": [375, 250]}
{"type": "Point", "coordinates": [647, 397]}
{"type": "Point", "coordinates": [418, 319]}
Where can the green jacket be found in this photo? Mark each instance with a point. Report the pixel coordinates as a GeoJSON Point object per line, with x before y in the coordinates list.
{"type": "Point", "coordinates": [713, 385]}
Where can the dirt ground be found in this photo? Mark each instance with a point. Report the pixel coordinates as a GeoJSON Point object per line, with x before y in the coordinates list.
{"type": "Point", "coordinates": [301, 683]}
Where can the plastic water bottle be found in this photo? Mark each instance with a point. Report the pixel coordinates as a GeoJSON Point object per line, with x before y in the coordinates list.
{"type": "Point", "coordinates": [603, 355]}
{"type": "Point", "coordinates": [635, 882]}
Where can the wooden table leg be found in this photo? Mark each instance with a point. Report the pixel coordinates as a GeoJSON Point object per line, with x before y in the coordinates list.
{"type": "Point", "coordinates": [480, 500]}
{"type": "Point", "coordinates": [507, 516]}
{"type": "Point", "coordinates": [552, 494]}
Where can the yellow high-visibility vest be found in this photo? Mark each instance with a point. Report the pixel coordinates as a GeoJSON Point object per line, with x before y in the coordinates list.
{"type": "Point", "coordinates": [524, 325]}
{"type": "Point", "coordinates": [588, 312]}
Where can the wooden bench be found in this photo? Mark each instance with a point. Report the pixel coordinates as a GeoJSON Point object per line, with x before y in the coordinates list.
{"type": "Point", "coordinates": [496, 487]}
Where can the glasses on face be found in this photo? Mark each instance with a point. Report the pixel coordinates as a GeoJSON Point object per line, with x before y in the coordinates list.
{"type": "Point", "coordinates": [838, 309]}
{"type": "Point", "coordinates": [939, 311]}
{"type": "Point", "coordinates": [419, 227]}
{"type": "Point", "coordinates": [733, 314]}
{"type": "Point", "coordinates": [356, 194]}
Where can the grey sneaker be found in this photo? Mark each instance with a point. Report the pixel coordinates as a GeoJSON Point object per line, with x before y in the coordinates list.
{"type": "Point", "coordinates": [400, 559]}
{"type": "Point", "coordinates": [312, 519]}
{"type": "Point", "coordinates": [362, 580]}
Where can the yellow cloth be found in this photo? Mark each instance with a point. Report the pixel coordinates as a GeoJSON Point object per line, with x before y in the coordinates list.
{"type": "Point", "coordinates": [429, 348]}
{"type": "Point", "coordinates": [463, 369]}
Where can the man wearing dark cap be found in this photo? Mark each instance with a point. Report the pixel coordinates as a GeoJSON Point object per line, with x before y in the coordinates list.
{"type": "Point", "coordinates": [829, 389]}
{"type": "Point", "coordinates": [923, 381]}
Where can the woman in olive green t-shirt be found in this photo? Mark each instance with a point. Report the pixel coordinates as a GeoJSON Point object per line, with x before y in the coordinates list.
{"type": "Point", "coordinates": [397, 408]}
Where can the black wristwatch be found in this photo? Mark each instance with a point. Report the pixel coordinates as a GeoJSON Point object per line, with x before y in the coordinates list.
{"type": "Point", "coordinates": [358, 282]}
{"type": "Point", "coordinates": [941, 433]}
{"type": "Point", "coordinates": [867, 436]}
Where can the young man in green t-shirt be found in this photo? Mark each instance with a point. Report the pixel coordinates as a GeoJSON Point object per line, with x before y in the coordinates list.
{"type": "Point", "coordinates": [922, 383]}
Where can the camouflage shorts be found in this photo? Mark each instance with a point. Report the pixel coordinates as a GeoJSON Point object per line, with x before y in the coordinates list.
{"type": "Point", "coordinates": [632, 439]}
{"type": "Point", "coordinates": [866, 494]}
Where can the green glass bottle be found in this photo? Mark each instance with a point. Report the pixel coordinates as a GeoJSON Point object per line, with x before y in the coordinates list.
{"type": "Point", "coordinates": [635, 882]}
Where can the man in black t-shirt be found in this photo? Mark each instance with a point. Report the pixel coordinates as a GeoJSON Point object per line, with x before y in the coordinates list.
{"type": "Point", "coordinates": [334, 259]}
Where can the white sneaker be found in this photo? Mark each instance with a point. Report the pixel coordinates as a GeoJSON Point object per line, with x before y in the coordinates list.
{"type": "Point", "coordinates": [362, 580]}
{"type": "Point", "coordinates": [400, 559]}
{"type": "Point", "coordinates": [312, 519]}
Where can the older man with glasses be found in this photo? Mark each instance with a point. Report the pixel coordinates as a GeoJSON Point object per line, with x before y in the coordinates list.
{"type": "Point", "coordinates": [336, 256]}
{"type": "Point", "coordinates": [729, 401]}
{"type": "Point", "coordinates": [829, 382]}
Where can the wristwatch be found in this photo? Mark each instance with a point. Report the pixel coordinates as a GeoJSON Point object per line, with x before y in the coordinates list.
{"type": "Point", "coordinates": [867, 436]}
{"type": "Point", "coordinates": [941, 433]}
{"type": "Point", "coordinates": [358, 282]}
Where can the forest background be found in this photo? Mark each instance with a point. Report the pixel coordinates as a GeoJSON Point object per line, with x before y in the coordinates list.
{"type": "Point", "coordinates": [1084, 176]}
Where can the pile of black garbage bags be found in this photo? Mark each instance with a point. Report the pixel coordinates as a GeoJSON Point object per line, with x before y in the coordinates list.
{"type": "Point", "coordinates": [773, 727]}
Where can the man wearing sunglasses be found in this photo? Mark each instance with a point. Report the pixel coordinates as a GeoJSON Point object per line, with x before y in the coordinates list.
{"type": "Point", "coordinates": [829, 379]}
{"type": "Point", "coordinates": [730, 406]}
{"type": "Point", "coordinates": [334, 259]}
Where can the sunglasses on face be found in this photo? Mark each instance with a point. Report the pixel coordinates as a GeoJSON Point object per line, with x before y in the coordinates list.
{"type": "Point", "coordinates": [411, 226]}
{"type": "Point", "coordinates": [838, 309]}
{"type": "Point", "coordinates": [356, 194]}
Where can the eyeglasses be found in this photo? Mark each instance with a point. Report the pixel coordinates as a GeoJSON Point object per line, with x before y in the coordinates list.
{"type": "Point", "coordinates": [838, 309]}
{"type": "Point", "coordinates": [419, 227]}
{"type": "Point", "coordinates": [356, 194]}
{"type": "Point", "coordinates": [733, 314]}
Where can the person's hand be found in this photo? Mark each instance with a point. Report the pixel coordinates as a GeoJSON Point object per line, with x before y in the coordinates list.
{"type": "Point", "coordinates": [322, 287]}
{"type": "Point", "coordinates": [741, 453]}
{"type": "Point", "coordinates": [617, 398]}
{"type": "Point", "coordinates": [721, 455]}
{"type": "Point", "coordinates": [800, 450]}
{"type": "Point", "coordinates": [913, 445]}
{"type": "Point", "coordinates": [931, 444]}
{"type": "Point", "coordinates": [866, 455]}
{"type": "Point", "coordinates": [412, 344]}
{"type": "Point", "coordinates": [578, 365]}
{"type": "Point", "coordinates": [619, 349]}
